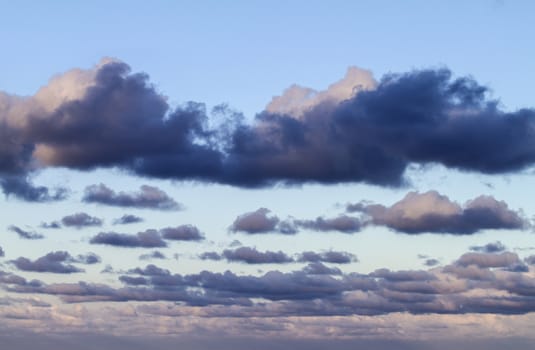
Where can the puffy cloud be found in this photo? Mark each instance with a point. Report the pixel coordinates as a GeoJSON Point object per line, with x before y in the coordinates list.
{"type": "Point", "coordinates": [486, 260]}
{"type": "Point", "coordinates": [148, 197]}
{"type": "Point", "coordinates": [252, 256]}
{"type": "Point", "coordinates": [433, 212]}
{"type": "Point", "coordinates": [297, 100]}
{"type": "Point", "coordinates": [80, 220]}
{"type": "Point", "coordinates": [55, 262]}
{"type": "Point", "coordinates": [330, 256]}
{"type": "Point", "coordinates": [358, 130]}
{"type": "Point", "coordinates": [182, 233]}
{"type": "Point", "coordinates": [25, 234]}
{"type": "Point", "coordinates": [258, 221]}
{"type": "Point", "coordinates": [145, 239]}
{"type": "Point", "coordinates": [342, 223]}
{"type": "Point", "coordinates": [127, 219]}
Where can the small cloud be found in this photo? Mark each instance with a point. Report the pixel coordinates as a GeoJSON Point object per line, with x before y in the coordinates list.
{"type": "Point", "coordinates": [148, 197]}
{"type": "Point", "coordinates": [25, 234]}
{"type": "Point", "coordinates": [127, 219]}
{"type": "Point", "coordinates": [80, 220]}
{"type": "Point", "coordinates": [146, 239]}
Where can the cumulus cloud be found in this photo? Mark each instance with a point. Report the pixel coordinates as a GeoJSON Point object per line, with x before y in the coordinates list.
{"type": "Point", "coordinates": [182, 233]}
{"type": "Point", "coordinates": [433, 212]}
{"type": "Point", "coordinates": [127, 219]}
{"type": "Point", "coordinates": [358, 130]}
{"type": "Point", "coordinates": [25, 234]}
{"type": "Point", "coordinates": [80, 220]}
{"type": "Point", "coordinates": [250, 255]}
{"type": "Point", "coordinates": [145, 239]}
{"type": "Point", "coordinates": [342, 223]}
{"type": "Point", "coordinates": [329, 256]}
{"type": "Point", "coordinates": [54, 262]}
{"type": "Point", "coordinates": [261, 221]}
{"type": "Point", "coordinates": [148, 197]}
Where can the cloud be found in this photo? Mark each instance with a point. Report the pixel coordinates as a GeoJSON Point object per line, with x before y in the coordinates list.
{"type": "Point", "coordinates": [25, 234]}
{"type": "Point", "coordinates": [2, 253]}
{"type": "Point", "coordinates": [50, 225]}
{"type": "Point", "coordinates": [88, 259]}
{"type": "Point", "coordinates": [153, 255]}
{"type": "Point", "coordinates": [495, 247]}
{"type": "Point", "coordinates": [486, 260]}
{"type": "Point", "coordinates": [80, 220]}
{"type": "Point", "coordinates": [182, 233]}
{"type": "Point", "coordinates": [54, 262]}
{"type": "Point", "coordinates": [342, 223]}
{"type": "Point", "coordinates": [20, 187]}
{"type": "Point", "coordinates": [145, 239]}
{"type": "Point", "coordinates": [147, 198]}
{"type": "Point", "coordinates": [317, 268]}
{"type": "Point", "coordinates": [210, 256]}
{"type": "Point", "coordinates": [258, 221]}
{"type": "Point", "coordinates": [431, 262]}
{"type": "Point", "coordinates": [330, 256]}
{"type": "Point", "coordinates": [358, 130]}
{"type": "Point", "coordinates": [252, 256]}
{"type": "Point", "coordinates": [436, 213]}
{"type": "Point", "coordinates": [127, 219]}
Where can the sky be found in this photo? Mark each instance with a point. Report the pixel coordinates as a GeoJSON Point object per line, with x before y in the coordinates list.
{"type": "Point", "coordinates": [252, 174]}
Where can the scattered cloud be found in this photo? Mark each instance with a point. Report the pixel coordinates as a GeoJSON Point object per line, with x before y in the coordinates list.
{"type": "Point", "coordinates": [54, 262]}
{"type": "Point", "coordinates": [342, 223]}
{"type": "Point", "coordinates": [260, 221]}
{"type": "Point", "coordinates": [436, 213]}
{"type": "Point", "coordinates": [147, 198]}
{"type": "Point", "coordinates": [25, 234]}
{"type": "Point", "coordinates": [127, 219]}
{"type": "Point", "coordinates": [80, 220]}
{"type": "Point", "coordinates": [329, 256]}
{"type": "Point", "coordinates": [20, 187]}
{"type": "Point", "coordinates": [145, 239]}
{"type": "Point", "coordinates": [152, 255]}
{"type": "Point", "coordinates": [182, 233]}
{"type": "Point", "coordinates": [494, 247]}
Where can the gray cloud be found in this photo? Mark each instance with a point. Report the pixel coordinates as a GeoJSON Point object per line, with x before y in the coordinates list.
{"type": "Point", "coordinates": [432, 212]}
{"type": "Point", "coordinates": [330, 256]}
{"type": "Point", "coordinates": [54, 262]}
{"type": "Point", "coordinates": [127, 219]}
{"type": "Point", "coordinates": [145, 239]}
{"type": "Point", "coordinates": [50, 225]}
{"type": "Point", "coordinates": [258, 221]}
{"type": "Point", "coordinates": [2, 253]}
{"type": "Point", "coordinates": [494, 247]}
{"type": "Point", "coordinates": [317, 268]}
{"type": "Point", "coordinates": [342, 223]}
{"type": "Point", "coordinates": [147, 198]}
{"type": "Point", "coordinates": [80, 220]}
{"type": "Point", "coordinates": [153, 255]}
{"type": "Point", "coordinates": [252, 256]}
{"type": "Point", "coordinates": [182, 233]}
{"type": "Point", "coordinates": [486, 260]}
{"type": "Point", "coordinates": [368, 133]}
{"type": "Point", "coordinates": [20, 187]}
{"type": "Point", "coordinates": [25, 234]}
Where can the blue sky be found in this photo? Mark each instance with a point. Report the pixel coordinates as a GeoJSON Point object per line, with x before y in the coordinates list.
{"type": "Point", "coordinates": [244, 54]}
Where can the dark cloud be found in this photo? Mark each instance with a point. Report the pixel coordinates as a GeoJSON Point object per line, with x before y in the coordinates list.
{"type": "Point", "coordinates": [55, 262]}
{"type": "Point", "coordinates": [433, 212]}
{"type": "Point", "coordinates": [317, 268]}
{"type": "Point", "coordinates": [21, 188]}
{"type": "Point", "coordinates": [252, 256]}
{"type": "Point", "coordinates": [127, 219]}
{"type": "Point", "coordinates": [25, 234]}
{"type": "Point", "coordinates": [153, 255]}
{"type": "Point", "coordinates": [182, 233]}
{"type": "Point", "coordinates": [330, 256]}
{"type": "Point", "coordinates": [2, 253]}
{"type": "Point", "coordinates": [494, 247]}
{"type": "Point", "coordinates": [371, 136]}
{"type": "Point", "coordinates": [145, 239]}
{"type": "Point", "coordinates": [88, 259]}
{"type": "Point", "coordinates": [147, 198]}
{"type": "Point", "coordinates": [258, 221]}
{"type": "Point", "coordinates": [342, 223]}
{"type": "Point", "coordinates": [80, 220]}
